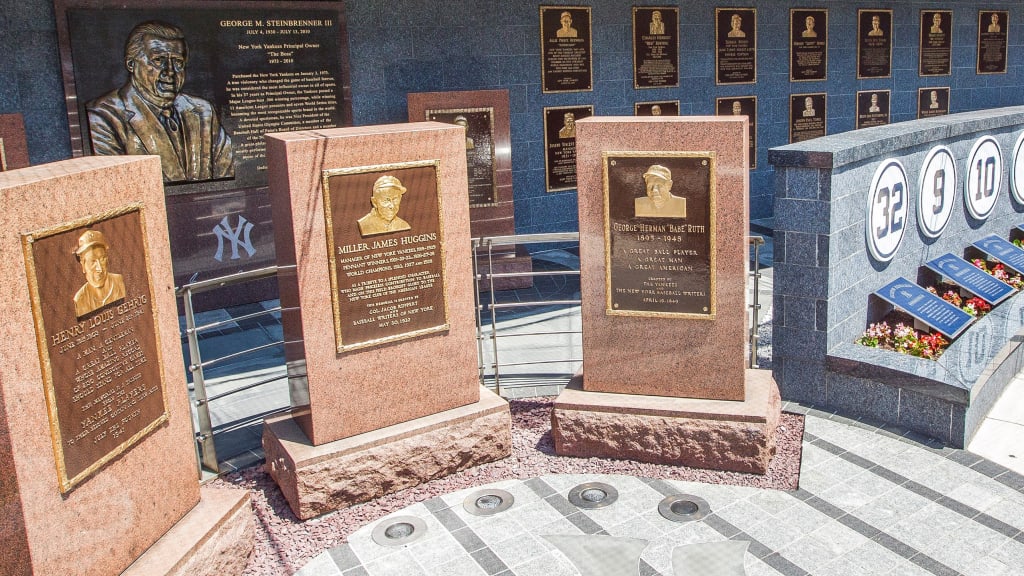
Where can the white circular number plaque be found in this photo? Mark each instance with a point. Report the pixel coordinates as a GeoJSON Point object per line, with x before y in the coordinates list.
{"type": "Point", "coordinates": [937, 191]}
{"type": "Point", "coordinates": [984, 170]}
{"type": "Point", "coordinates": [1017, 170]}
{"type": "Point", "coordinates": [887, 210]}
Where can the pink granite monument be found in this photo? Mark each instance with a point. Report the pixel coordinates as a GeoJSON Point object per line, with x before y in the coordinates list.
{"type": "Point", "coordinates": [663, 250]}
{"type": "Point", "coordinates": [95, 429]}
{"type": "Point", "coordinates": [484, 114]}
{"type": "Point", "coordinates": [372, 229]}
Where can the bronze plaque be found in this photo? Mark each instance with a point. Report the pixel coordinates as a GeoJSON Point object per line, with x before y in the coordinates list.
{"type": "Point", "coordinates": [659, 108]}
{"type": "Point", "coordinates": [936, 46]}
{"type": "Point", "coordinates": [807, 114]}
{"type": "Point", "coordinates": [735, 45]}
{"type": "Point", "coordinates": [808, 45]}
{"type": "Point", "coordinates": [3, 156]}
{"type": "Point", "coordinates": [386, 253]}
{"type": "Point", "coordinates": [660, 234]}
{"type": "Point", "coordinates": [872, 108]}
{"type": "Point", "coordinates": [13, 147]}
{"type": "Point", "coordinates": [993, 31]}
{"type": "Point", "coordinates": [560, 145]}
{"type": "Point", "coordinates": [874, 43]}
{"type": "Point", "coordinates": [92, 300]}
{"type": "Point", "coordinates": [567, 62]}
{"type": "Point", "coordinates": [655, 47]}
{"type": "Point", "coordinates": [932, 102]}
{"type": "Point", "coordinates": [479, 125]}
{"type": "Point", "coordinates": [742, 106]}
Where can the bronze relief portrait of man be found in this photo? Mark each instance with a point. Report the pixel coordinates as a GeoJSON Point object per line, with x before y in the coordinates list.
{"type": "Point", "coordinates": [659, 201]}
{"type": "Point", "coordinates": [386, 200]}
{"type": "Point", "coordinates": [150, 114]}
{"type": "Point", "coordinates": [102, 287]}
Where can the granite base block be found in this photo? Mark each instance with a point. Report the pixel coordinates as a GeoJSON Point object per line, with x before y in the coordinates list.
{"type": "Point", "coordinates": [710, 434]}
{"type": "Point", "coordinates": [215, 538]}
{"type": "Point", "coordinates": [320, 479]}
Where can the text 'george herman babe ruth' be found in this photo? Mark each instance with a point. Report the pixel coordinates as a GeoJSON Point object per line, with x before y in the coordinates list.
{"type": "Point", "coordinates": [150, 114]}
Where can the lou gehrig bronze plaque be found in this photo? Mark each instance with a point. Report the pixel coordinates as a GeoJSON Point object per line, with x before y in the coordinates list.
{"type": "Point", "coordinates": [479, 125]}
{"type": "Point", "coordinates": [385, 245]}
{"type": "Point", "coordinates": [659, 234]}
{"type": "Point", "coordinates": [96, 330]}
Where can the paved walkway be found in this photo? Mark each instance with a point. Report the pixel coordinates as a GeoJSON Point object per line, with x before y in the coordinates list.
{"type": "Point", "coordinates": [871, 501]}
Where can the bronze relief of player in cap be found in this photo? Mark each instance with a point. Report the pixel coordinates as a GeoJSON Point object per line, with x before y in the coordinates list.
{"type": "Point", "coordinates": [101, 287]}
{"type": "Point", "coordinates": [659, 201]}
{"type": "Point", "coordinates": [386, 200]}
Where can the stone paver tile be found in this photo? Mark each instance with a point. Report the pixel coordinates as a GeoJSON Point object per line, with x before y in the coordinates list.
{"type": "Point", "coordinates": [871, 484]}
{"type": "Point", "coordinates": [400, 563]}
{"type": "Point", "coordinates": [635, 527]}
{"type": "Point", "coordinates": [518, 550]}
{"type": "Point", "coordinates": [811, 459]}
{"type": "Point", "coordinates": [773, 501]}
{"type": "Point", "coordinates": [1008, 511]}
{"type": "Point", "coordinates": [809, 553]}
{"type": "Point", "coordinates": [497, 528]}
{"type": "Point", "coordinates": [846, 567]}
{"type": "Point", "coordinates": [435, 551]}
{"type": "Point", "coordinates": [846, 497]}
{"type": "Point", "coordinates": [874, 557]}
{"type": "Point", "coordinates": [892, 507]}
{"type": "Point", "coordinates": [838, 539]}
{"type": "Point", "coordinates": [463, 565]}
{"type": "Point", "coordinates": [1010, 553]}
{"type": "Point", "coordinates": [321, 565]}
{"type": "Point", "coordinates": [745, 515]}
{"type": "Point", "coordinates": [774, 534]}
{"type": "Point", "coordinates": [537, 514]}
{"type": "Point", "coordinates": [626, 507]}
{"type": "Point", "coordinates": [550, 563]}
{"type": "Point", "coordinates": [975, 495]}
{"type": "Point", "coordinates": [755, 567]}
{"type": "Point", "coordinates": [908, 568]}
{"type": "Point", "coordinates": [802, 517]}
{"type": "Point", "coordinates": [986, 566]}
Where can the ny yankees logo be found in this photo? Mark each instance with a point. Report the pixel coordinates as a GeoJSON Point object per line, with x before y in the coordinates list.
{"type": "Point", "coordinates": [239, 238]}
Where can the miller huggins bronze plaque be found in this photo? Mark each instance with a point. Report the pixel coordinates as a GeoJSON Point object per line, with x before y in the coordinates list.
{"type": "Point", "coordinates": [659, 108]}
{"type": "Point", "coordinates": [735, 45]}
{"type": "Point", "coordinates": [872, 108]}
{"type": "Point", "coordinates": [655, 47]}
{"type": "Point", "coordinates": [808, 45]}
{"type": "Point", "coordinates": [560, 145]}
{"type": "Point", "coordinates": [874, 43]}
{"type": "Point", "coordinates": [565, 49]}
{"type": "Point", "coordinates": [936, 44]}
{"type": "Point", "coordinates": [932, 102]}
{"type": "Point", "coordinates": [95, 320]}
{"type": "Point", "coordinates": [993, 31]}
{"type": "Point", "coordinates": [479, 125]}
{"type": "Point", "coordinates": [385, 243]}
{"type": "Point", "coordinates": [807, 113]}
{"type": "Point", "coordinates": [659, 212]}
{"type": "Point", "coordinates": [742, 106]}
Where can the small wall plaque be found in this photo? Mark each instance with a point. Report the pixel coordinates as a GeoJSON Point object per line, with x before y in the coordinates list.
{"type": "Point", "coordinates": [926, 307]}
{"type": "Point", "coordinates": [963, 273]}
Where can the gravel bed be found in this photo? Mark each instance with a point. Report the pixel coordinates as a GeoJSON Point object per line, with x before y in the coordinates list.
{"type": "Point", "coordinates": [285, 544]}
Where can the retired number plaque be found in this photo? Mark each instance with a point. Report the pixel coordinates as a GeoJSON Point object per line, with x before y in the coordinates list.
{"type": "Point", "coordinates": [385, 250]}
{"type": "Point", "coordinates": [659, 234]}
{"type": "Point", "coordinates": [95, 321]}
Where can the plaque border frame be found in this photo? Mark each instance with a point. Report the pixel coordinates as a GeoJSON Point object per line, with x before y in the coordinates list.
{"type": "Point", "coordinates": [949, 96]}
{"type": "Point", "coordinates": [1006, 44]}
{"type": "Point", "coordinates": [65, 483]}
{"type": "Point", "coordinates": [590, 46]}
{"type": "Point", "coordinates": [325, 176]}
{"type": "Point", "coordinates": [892, 24]}
{"type": "Point", "coordinates": [637, 104]}
{"type": "Point", "coordinates": [792, 11]}
{"type": "Point", "coordinates": [753, 11]}
{"type": "Point", "coordinates": [920, 42]}
{"type": "Point", "coordinates": [753, 124]}
{"type": "Point", "coordinates": [856, 117]}
{"type": "Point", "coordinates": [636, 85]}
{"type": "Point", "coordinates": [494, 155]}
{"type": "Point", "coordinates": [544, 127]}
{"type": "Point", "coordinates": [712, 159]}
{"type": "Point", "coordinates": [824, 118]}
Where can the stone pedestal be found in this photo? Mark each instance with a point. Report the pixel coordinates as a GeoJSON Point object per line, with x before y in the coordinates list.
{"type": "Point", "coordinates": [712, 434]}
{"type": "Point", "coordinates": [95, 430]}
{"type": "Point", "coordinates": [487, 118]}
{"type": "Point", "coordinates": [381, 317]}
{"type": "Point", "coordinates": [663, 285]}
{"type": "Point", "coordinates": [318, 479]}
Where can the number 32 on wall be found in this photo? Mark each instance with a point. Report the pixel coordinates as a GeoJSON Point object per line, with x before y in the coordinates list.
{"type": "Point", "coordinates": [887, 210]}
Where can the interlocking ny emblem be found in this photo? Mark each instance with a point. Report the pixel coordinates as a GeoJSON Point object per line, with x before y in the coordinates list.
{"type": "Point", "coordinates": [238, 236]}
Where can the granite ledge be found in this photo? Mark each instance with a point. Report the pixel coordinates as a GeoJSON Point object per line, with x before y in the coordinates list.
{"type": "Point", "coordinates": [875, 364]}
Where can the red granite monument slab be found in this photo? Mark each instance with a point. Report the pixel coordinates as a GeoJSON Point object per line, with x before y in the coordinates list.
{"type": "Point", "coordinates": [95, 430]}
{"type": "Point", "coordinates": [13, 146]}
{"type": "Point", "coordinates": [372, 229]}
{"type": "Point", "coordinates": [663, 207]}
{"type": "Point", "coordinates": [485, 116]}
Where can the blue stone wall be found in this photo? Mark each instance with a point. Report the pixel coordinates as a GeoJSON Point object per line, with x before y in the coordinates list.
{"type": "Point", "coordinates": [824, 277]}
{"type": "Point", "coordinates": [402, 46]}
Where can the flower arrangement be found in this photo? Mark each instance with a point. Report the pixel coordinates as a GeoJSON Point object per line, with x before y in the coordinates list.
{"type": "Point", "coordinates": [974, 306]}
{"type": "Point", "coordinates": [904, 339]}
{"type": "Point", "coordinates": [1000, 272]}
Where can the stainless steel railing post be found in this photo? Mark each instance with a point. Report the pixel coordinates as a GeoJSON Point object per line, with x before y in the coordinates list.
{"type": "Point", "coordinates": [204, 436]}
